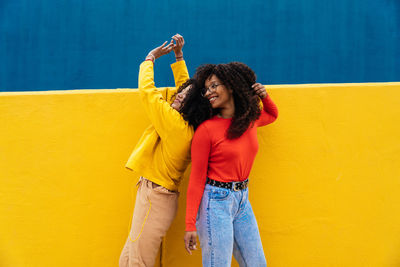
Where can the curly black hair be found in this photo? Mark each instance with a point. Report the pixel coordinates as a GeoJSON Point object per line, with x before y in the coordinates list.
{"type": "Point", "coordinates": [239, 78]}
{"type": "Point", "coordinates": [195, 108]}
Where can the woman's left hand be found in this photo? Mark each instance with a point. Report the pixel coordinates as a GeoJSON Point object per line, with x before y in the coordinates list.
{"type": "Point", "coordinates": [259, 89]}
{"type": "Point", "coordinates": [160, 50]}
{"type": "Point", "coordinates": [180, 42]}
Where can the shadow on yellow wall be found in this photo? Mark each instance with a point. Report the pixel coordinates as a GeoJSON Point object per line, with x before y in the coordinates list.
{"type": "Point", "coordinates": [325, 185]}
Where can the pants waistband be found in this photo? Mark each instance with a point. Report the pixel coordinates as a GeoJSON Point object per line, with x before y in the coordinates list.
{"type": "Point", "coordinates": [235, 186]}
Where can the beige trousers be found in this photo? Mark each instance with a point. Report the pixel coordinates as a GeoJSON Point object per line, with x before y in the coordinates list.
{"type": "Point", "coordinates": [154, 211]}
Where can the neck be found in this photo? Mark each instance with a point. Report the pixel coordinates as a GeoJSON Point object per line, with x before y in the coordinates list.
{"type": "Point", "coordinates": [228, 111]}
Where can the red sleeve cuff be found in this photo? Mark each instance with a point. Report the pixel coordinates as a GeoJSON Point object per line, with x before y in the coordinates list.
{"type": "Point", "coordinates": [190, 228]}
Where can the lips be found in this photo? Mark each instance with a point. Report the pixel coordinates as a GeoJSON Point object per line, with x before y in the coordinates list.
{"type": "Point", "coordinates": [212, 99]}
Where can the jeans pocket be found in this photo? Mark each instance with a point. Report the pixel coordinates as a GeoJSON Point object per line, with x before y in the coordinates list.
{"type": "Point", "coordinates": [219, 194]}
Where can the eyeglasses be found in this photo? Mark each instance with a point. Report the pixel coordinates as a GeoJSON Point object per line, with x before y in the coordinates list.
{"type": "Point", "coordinates": [212, 88]}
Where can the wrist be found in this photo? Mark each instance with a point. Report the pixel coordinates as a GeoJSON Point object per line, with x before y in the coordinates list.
{"type": "Point", "coordinates": [151, 57]}
{"type": "Point", "coordinates": [179, 57]}
{"type": "Point", "coordinates": [179, 54]}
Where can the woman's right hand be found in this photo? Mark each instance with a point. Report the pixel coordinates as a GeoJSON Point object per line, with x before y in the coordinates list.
{"type": "Point", "coordinates": [160, 50]}
{"type": "Point", "coordinates": [190, 241]}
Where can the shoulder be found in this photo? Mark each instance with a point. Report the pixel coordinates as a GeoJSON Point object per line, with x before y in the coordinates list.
{"type": "Point", "coordinates": [208, 124]}
{"type": "Point", "coordinates": [203, 130]}
{"type": "Point", "coordinates": [177, 121]}
{"type": "Point", "coordinates": [203, 127]}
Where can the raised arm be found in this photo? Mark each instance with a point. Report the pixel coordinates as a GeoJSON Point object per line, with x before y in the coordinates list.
{"type": "Point", "coordinates": [179, 69]}
{"type": "Point", "coordinates": [269, 112]}
{"type": "Point", "coordinates": [161, 114]}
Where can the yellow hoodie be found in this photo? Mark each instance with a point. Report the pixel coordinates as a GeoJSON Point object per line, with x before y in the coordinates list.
{"type": "Point", "coordinates": [163, 152]}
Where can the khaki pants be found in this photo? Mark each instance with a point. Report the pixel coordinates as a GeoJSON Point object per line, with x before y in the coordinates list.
{"type": "Point", "coordinates": [154, 211]}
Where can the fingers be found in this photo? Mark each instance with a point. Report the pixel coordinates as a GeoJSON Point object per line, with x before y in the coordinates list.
{"type": "Point", "coordinates": [190, 242]}
{"type": "Point", "coordinates": [259, 89]}
{"type": "Point", "coordinates": [257, 86]}
{"type": "Point", "coordinates": [161, 46]}
{"type": "Point", "coordinates": [179, 40]}
{"type": "Point", "coordinates": [169, 46]}
{"type": "Point", "coordinates": [187, 245]}
{"type": "Point", "coordinates": [165, 49]}
{"type": "Point", "coordinates": [187, 248]}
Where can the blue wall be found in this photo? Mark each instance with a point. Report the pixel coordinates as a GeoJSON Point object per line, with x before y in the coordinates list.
{"type": "Point", "coordinates": [75, 44]}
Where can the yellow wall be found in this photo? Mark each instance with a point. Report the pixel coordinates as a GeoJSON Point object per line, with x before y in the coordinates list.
{"type": "Point", "coordinates": [325, 185]}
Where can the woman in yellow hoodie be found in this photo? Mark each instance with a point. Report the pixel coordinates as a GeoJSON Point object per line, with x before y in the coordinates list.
{"type": "Point", "coordinates": [162, 153]}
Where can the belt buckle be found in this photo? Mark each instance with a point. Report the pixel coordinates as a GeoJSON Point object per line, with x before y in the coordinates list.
{"type": "Point", "coordinates": [237, 186]}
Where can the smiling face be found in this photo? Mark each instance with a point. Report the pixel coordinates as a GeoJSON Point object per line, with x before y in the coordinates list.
{"type": "Point", "coordinates": [218, 94]}
{"type": "Point", "coordinates": [180, 97]}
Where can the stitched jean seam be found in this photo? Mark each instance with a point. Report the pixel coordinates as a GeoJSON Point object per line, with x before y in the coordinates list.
{"type": "Point", "coordinates": [209, 231]}
{"type": "Point", "coordinates": [242, 208]}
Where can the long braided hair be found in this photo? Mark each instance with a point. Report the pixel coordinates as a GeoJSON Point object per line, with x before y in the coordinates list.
{"type": "Point", "coordinates": [239, 78]}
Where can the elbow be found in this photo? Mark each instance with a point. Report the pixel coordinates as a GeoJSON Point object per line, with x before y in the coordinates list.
{"type": "Point", "coordinates": [273, 118]}
{"type": "Point", "coordinates": [275, 114]}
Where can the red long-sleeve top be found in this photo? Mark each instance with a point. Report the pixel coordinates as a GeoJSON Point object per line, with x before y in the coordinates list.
{"type": "Point", "coordinates": [222, 159]}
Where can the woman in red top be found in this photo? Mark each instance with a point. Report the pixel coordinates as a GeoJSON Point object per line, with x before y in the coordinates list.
{"type": "Point", "coordinates": [223, 151]}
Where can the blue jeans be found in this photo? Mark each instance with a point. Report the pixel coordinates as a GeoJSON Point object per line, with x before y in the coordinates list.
{"type": "Point", "coordinates": [226, 224]}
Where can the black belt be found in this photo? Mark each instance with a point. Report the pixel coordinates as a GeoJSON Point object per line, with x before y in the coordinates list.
{"type": "Point", "coordinates": [235, 186]}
